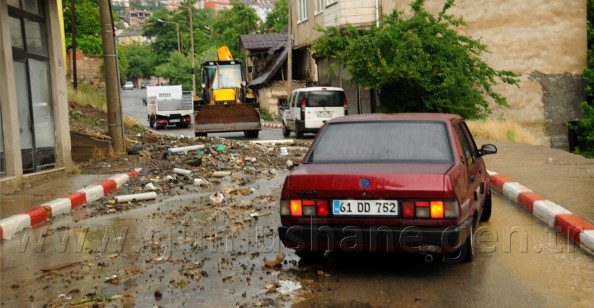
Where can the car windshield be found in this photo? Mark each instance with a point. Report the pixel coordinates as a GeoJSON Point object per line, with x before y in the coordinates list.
{"type": "Point", "coordinates": [324, 99]}
{"type": "Point", "coordinates": [368, 142]}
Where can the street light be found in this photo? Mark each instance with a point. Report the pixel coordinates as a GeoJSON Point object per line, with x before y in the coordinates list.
{"type": "Point", "coordinates": [176, 30]}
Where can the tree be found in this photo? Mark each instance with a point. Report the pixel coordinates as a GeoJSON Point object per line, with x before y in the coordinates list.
{"type": "Point", "coordinates": [421, 64]}
{"type": "Point", "coordinates": [177, 70]}
{"type": "Point", "coordinates": [277, 20]}
{"type": "Point", "coordinates": [141, 61]}
{"type": "Point", "coordinates": [165, 32]}
{"type": "Point", "coordinates": [231, 23]}
{"type": "Point", "coordinates": [88, 27]}
{"type": "Point", "coordinates": [584, 127]}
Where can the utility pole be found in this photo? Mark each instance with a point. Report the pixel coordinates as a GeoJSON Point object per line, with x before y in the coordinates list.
{"type": "Point", "coordinates": [73, 30]}
{"type": "Point", "coordinates": [290, 53]}
{"type": "Point", "coordinates": [112, 88]}
{"type": "Point", "coordinates": [192, 52]}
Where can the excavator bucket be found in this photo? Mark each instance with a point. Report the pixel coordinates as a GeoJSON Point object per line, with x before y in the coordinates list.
{"type": "Point", "coordinates": [227, 118]}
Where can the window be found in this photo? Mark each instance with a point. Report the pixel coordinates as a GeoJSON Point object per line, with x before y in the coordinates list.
{"type": "Point", "coordinates": [465, 145]}
{"type": "Point", "coordinates": [2, 156]}
{"type": "Point", "coordinates": [33, 85]}
{"type": "Point", "coordinates": [359, 142]}
{"type": "Point", "coordinates": [302, 10]}
{"type": "Point", "coordinates": [329, 2]}
{"type": "Point", "coordinates": [319, 6]}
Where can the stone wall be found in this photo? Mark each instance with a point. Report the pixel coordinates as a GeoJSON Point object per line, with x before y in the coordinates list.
{"type": "Point", "coordinates": [269, 96]}
{"type": "Point", "coordinates": [88, 69]}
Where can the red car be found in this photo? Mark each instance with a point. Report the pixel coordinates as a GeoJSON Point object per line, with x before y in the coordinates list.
{"type": "Point", "coordinates": [388, 182]}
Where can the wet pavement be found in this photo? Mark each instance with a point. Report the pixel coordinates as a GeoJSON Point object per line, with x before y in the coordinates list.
{"type": "Point", "coordinates": [190, 249]}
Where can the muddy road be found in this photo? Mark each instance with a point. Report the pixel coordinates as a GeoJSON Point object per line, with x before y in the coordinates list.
{"type": "Point", "coordinates": [213, 243]}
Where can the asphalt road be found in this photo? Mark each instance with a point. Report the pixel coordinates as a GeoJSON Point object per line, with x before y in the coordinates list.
{"type": "Point", "coordinates": [132, 105]}
{"type": "Point", "coordinates": [520, 262]}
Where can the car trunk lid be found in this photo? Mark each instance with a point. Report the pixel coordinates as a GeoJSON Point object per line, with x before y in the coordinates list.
{"type": "Point", "coordinates": [369, 181]}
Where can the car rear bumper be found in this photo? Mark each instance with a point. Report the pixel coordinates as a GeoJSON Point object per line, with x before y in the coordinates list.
{"type": "Point", "coordinates": [303, 129]}
{"type": "Point", "coordinates": [376, 238]}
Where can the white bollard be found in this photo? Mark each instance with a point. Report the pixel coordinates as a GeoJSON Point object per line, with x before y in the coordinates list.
{"type": "Point", "coordinates": [136, 197]}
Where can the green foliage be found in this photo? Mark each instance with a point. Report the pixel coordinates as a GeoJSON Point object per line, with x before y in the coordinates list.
{"type": "Point", "coordinates": [141, 61]}
{"type": "Point", "coordinates": [231, 23]}
{"type": "Point", "coordinates": [78, 116]}
{"type": "Point", "coordinates": [88, 26]}
{"type": "Point", "coordinates": [277, 20]}
{"type": "Point", "coordinates": [266, 115]}
{"type": "Point", "coordinates": [421, 64]}
{"type": "Point", "coordinates": [584, 129]}
{"type": "Point", "coordinates": [177, 70]}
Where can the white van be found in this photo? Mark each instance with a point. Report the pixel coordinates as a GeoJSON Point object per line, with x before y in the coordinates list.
{"type": "Point", "coordinates": [309, 108]}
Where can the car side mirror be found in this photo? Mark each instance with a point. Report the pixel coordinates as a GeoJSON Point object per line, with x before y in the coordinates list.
{"type": "Point", "coordinates": [487, 149]}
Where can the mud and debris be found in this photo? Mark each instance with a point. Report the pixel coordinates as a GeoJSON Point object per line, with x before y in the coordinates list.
{"type": "Point", "coordinates": [206, 235]}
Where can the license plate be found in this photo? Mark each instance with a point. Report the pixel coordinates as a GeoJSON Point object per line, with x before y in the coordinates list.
{"type": "Point", "coordinates": [324, 114]}
{"type": "Point", "coordinates": [365, 207]}
{"type": "Point", "coordinates": [174, 121]}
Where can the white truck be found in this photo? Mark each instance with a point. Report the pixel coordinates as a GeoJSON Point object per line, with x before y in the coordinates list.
{"type": "Point", "coordinates": [169, 105]}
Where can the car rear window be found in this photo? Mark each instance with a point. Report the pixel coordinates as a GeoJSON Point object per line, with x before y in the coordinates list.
{"type": "Point", "coordinates": [398, 141]}
{"type": "Point", "coordinates": [325, 99]}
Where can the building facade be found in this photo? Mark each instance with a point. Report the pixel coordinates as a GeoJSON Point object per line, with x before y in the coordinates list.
{"type": "Point", "coordinates": [34, 127]}
{"type": "Point", "coordinates": [544, 41]}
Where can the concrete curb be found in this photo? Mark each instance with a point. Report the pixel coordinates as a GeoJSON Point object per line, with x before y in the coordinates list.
{"type": "Point", "coordinates": [575, 228]}
{"type": "Point", "coordinates": [40, 214]}
{"type": "Point", "coordinates": [271, 125]}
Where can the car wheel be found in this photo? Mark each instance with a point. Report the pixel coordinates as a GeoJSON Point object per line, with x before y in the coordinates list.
{"type": "Point", "coordinates": [286, 131]}
{"type": "Point", "coordinates": [251, 133]}
{"type": "Point", "coordinates": [487, 207]}
{"type": "Point", "coordinates": [307, 257]}
{"type": "Point", "coordinates": [298, 132]}
{"type": "Point", "coordinates": [466, 252]}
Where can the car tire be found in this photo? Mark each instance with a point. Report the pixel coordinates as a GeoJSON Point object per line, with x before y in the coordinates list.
{"type": "Point", "coordinates": [286, 131]}
{"type": "Point", "coordinates": [487, 207]}
{"type": "Point", "coordinates": [298, 132]}
{"type": "Point", "coordinates": [466, 252]}
{"type": "Point", "coordinates": [307, 257]}
{"type": "Point", "coordinates": [251, 133]}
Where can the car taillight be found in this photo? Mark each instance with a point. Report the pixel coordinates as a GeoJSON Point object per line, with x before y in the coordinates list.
{"type": "Point", "coordinates": [303, 104]}
{"type": "Point", "coordinates": [299, 208]}
{"type": "Point", "coordinates": [346, 107]}
{"type": "Point", "coordinates": [296, 208]}
{"type": "Point", "coordinates": [435, 209]}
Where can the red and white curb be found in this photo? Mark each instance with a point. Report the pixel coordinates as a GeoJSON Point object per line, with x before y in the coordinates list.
{"type": "Point", "coordinates": [555, 216]}
{"type": "Point", "coordinates": [40, 214]}
{"type": "Point", "coordinates": [271, 125]}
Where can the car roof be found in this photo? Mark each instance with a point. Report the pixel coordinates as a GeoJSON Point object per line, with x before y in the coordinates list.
{"type": "Point", "coordinates": [378, 117]}
{"type": "Point", "coordinates": [310, 89]}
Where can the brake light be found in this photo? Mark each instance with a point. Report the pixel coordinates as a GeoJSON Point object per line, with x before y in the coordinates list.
{"type": "Point", "coordinates": [322, 208]}
{"type": "Point", "coordinates": [346, 107]}
{"type": "Point", "coordinates": [303, 104]}
{"type": "Point", "coordinates": [408, 209]}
